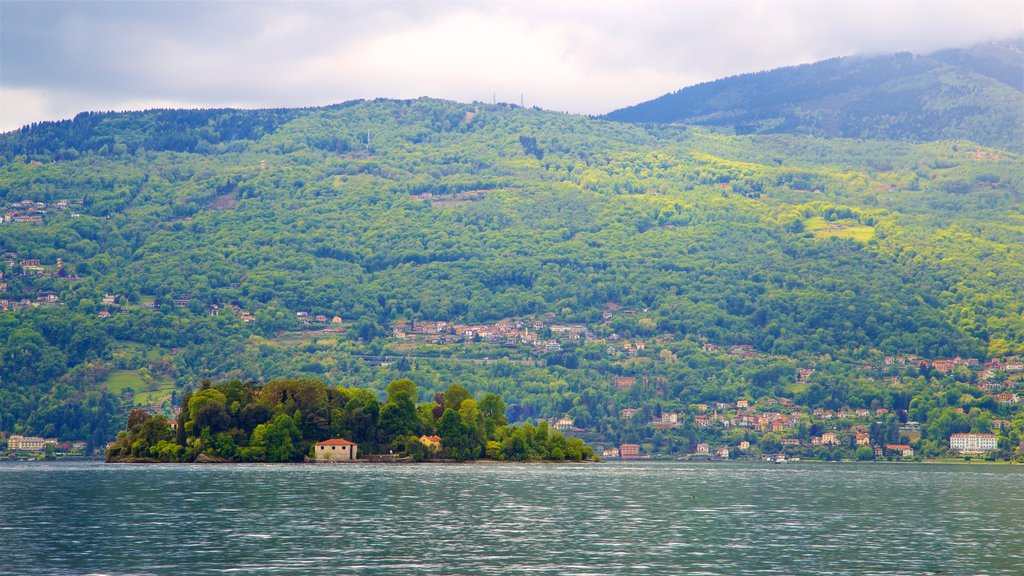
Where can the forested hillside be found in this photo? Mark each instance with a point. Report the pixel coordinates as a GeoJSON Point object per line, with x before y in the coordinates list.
{"type": "Point", "coordinates": [975, 93]}
{"type": "Point", "coordinates": [575, 266]}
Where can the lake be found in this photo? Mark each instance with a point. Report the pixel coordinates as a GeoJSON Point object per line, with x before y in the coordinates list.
{"type": "Point", "coordinates": [613, 518]}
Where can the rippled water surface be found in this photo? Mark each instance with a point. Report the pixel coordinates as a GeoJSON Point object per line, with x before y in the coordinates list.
{"type": "Point", "coordinates": [628, 518]}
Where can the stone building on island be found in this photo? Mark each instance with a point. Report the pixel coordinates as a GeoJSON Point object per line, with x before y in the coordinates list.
{"type": "Point", "coordinates": [336, 450]}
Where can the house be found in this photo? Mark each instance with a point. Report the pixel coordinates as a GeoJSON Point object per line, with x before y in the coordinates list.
{"type": "Point", "coordinates": [703, 448]}
{"type": "Point", "coordinates": [790, 442]}
{"type": "Point", "coordinates": [742, 350]}
{"type": "Point", "coordinates": [702, 421]}
{"type": "Point", "coordinates": [829, 439]}
{"type": "Point", "coordinates": [667, 420]}
{"type": "Point", "coordinates": [723, 453]}
{"type": "Point", "coordinates": [742, 403]}
{"type": "Point", "coordinates": [744, 446]}
{"type": "Point", "coordinates": [431, 442]}
{"type": "Point", "coordinates": [628, 413]}
{"type": "Point", "coordinates": [1006, 398]}
{"type": "Point", "coordinates": [336, 450]}
{"type": "Point", "coordinates": [863, 439]}
{"type": "Point", "coordinates": [903, 450]}
{"type": "Point", "coordinates": [629, 451]}
{"type": "Point", "coordinates": [563, 424]}
{"type": "Point", "coordinates": [972, 443]}
{"type": "Point", "coordinates": [612, 452]}
{"type": "Point", "coordinates": [28, 443]}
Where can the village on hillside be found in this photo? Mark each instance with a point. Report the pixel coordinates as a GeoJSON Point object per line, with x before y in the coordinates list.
{"type": "Point", "coordinates": [775, 427]}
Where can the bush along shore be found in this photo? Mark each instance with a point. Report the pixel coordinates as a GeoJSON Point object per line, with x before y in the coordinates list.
{"type": "Point", "coordinates": [283, 420]}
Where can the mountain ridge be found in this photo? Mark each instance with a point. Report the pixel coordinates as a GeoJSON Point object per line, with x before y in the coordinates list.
{"type": "Point", "coordinates": [973, 93]}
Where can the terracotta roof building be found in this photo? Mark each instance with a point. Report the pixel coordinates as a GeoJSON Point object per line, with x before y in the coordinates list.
{"type": "Point", "coordinates": [336, 450]}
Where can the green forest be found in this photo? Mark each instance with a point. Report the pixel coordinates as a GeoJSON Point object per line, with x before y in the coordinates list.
{"type": "Point", "coordinates": [972, 93]}
{"type": "Point", "coordinates": [145, 252]}
{"type": "Point", "coordinates": [283, 420]}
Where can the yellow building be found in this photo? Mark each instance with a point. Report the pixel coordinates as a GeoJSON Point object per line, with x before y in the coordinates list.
{"type": "Point", "coordinates": [431, 442]}
{"type": "Point", "coordinates": [28, 443]}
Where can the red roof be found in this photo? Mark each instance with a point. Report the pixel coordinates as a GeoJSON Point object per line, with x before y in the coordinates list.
{"type": "Point", "coordinates": [336, 442]}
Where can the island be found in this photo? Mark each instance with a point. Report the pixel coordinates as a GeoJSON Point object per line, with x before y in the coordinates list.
{"type": "Point", "coordinates": [305, 420]}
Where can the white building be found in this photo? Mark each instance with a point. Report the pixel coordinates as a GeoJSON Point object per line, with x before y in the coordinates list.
{"type": "Point", "coordinates": [564, 424]}
{"type": "Point", "coordinates": [972, 443]}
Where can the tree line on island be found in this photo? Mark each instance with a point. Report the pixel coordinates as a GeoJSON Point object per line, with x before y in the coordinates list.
{"type": "Point", "coordinates": [283, 420]}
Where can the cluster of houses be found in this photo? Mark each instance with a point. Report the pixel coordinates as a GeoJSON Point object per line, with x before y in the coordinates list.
{"type": "Point", "coordinates": [984, 372]}
{"type": "Point", "coordinates": [31, 268]}
{"type": "Point", "coordinates": [505, 332]}
{"type": "Point", "coordinates": [306, 319]}
{"type": "Point", "coordinates": [30, 212]}
{"type": "Point", "coordinates": [965, 444]}
{"type": "Point", "coordinates": [34, 444]}
{"type": "Point", "coordinates": [43, 297]}
{"type": "Point", "coordinates": [764, 418]}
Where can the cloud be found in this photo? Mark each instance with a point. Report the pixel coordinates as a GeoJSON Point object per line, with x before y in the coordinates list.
{"type": "Point", "coordinates": [59, 58]}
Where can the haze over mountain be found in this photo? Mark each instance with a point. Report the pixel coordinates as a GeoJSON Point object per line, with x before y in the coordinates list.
{"type": "Point", "coordinates": [975, 93]}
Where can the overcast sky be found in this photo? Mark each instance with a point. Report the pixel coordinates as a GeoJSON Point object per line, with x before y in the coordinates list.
{"type": "Point", "coordinates": [61, 58]}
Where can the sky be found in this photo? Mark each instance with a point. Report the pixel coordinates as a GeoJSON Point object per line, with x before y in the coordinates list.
{"type": "Point", "coordinates": [586, 57]}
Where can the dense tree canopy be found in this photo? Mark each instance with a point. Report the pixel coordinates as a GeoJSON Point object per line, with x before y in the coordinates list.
{"type": "Point", "coordinates": [280, 422]}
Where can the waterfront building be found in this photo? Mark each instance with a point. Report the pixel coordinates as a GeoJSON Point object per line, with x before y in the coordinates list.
{"type": "Point", "coordinates": [29, 443]}
{"type": "Point", "coordinates": [972, 443]}
{"type": "Point", "coordinates": [900, 449]}
{"type": "Point", "coordinates": [431, 442]}
{"type": "Point", "coordinates": [336, 450]}
{"type": "Point", "coordinates": [629, 451]}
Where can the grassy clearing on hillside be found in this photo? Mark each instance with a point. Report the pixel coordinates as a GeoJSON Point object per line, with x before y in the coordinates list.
{"type": "Point", "coordinates": [154, 392]}
{"type": "Point", "coordinates": [839, 229]}
{"type": "Point", "coordinates": [797, 388]}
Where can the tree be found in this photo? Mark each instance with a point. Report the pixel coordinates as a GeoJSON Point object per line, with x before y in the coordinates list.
{"type": "Point", "coordinates": [455, 436]}
{"type": "Point", "coordinates": [454, 395]}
